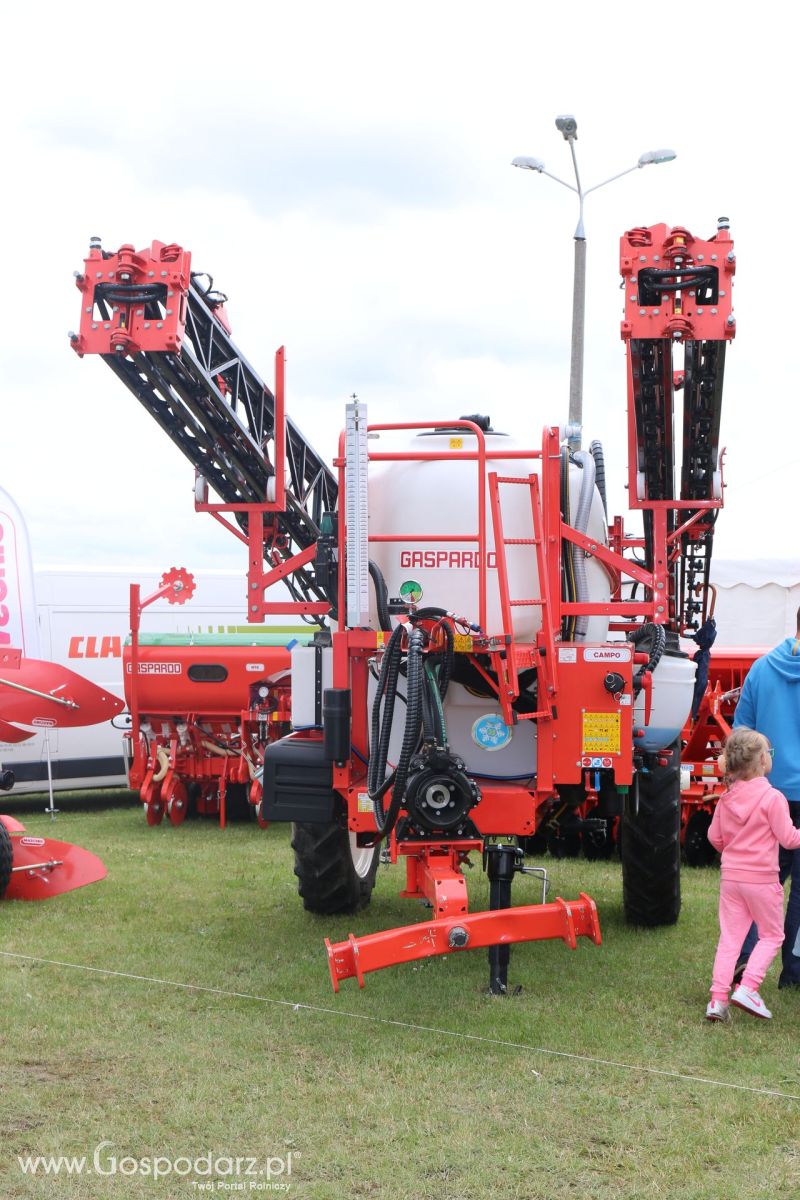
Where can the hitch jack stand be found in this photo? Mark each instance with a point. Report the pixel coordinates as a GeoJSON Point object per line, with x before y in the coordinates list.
{"type": "Point", "coordinates": [500, 863]}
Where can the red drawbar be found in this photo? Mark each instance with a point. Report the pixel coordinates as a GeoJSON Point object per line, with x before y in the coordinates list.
{"type": "Point", "coordinates": [565, 919]}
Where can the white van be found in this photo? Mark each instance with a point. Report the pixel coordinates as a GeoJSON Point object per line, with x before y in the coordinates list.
{"type": "Point", "coordinates": [84, 618]}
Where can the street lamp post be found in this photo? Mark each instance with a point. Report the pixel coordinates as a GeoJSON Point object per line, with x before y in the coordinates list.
{"type": "Point", "coordinates": [568, 127]}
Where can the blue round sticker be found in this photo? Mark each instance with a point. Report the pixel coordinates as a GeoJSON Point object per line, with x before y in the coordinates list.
{"type": "Point", "coordinates": [490, 732]}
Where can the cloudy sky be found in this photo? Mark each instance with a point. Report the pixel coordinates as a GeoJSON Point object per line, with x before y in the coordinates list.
{"type": "Point", "coordinates": [343, 170]}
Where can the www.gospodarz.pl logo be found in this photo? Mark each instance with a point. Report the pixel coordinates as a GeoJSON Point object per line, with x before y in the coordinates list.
{"type": "Point", "coordinates": [206, 1172]}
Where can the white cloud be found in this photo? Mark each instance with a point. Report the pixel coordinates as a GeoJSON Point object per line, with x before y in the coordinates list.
{"type": "Point", "coordinates": [343, 171]}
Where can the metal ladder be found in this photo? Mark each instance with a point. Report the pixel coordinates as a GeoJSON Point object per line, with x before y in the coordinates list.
{"type": "Point", "coordinates": [505, 664]}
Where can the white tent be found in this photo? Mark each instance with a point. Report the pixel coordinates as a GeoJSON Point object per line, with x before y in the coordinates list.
{"type": "Point", "coordinates": [757, 600]}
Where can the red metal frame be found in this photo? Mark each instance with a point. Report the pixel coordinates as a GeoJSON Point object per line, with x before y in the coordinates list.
{"type": "Point", "coordinates": [567, 920]}
{"type": "Point", "coordinates": [127, 330]}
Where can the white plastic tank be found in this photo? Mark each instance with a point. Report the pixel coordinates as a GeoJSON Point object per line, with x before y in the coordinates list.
{"type": "Point", "coordinates": [673, 689]}
{"type": "Point", "coordinates": [477, 733]}
{"type": "Point", "coordinates": [441, 497]}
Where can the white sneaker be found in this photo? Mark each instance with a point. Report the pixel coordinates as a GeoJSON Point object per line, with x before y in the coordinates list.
{"type": "Point", "coordinates": [718, 1011]}
{"type": "Point", "coordinates": [751, 1002]}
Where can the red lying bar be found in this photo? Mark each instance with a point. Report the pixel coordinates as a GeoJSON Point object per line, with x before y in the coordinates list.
{"type": "Point", "coordinates": [565, 919]}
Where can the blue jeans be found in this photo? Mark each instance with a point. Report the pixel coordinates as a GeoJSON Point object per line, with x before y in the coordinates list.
{"type": "Point", "coordinates": [789, 866]}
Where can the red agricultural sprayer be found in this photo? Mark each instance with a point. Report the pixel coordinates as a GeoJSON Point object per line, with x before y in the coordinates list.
{"type": "Point", "coordinates": [490, 656]}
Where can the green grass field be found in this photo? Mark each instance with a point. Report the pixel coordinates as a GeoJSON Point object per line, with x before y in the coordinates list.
{"type": "Point", "coordinates": [387, 1092]}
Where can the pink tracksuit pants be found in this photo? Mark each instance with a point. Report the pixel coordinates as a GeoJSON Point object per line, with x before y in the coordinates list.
{"type": "Point", "coordinates": [739, 905]}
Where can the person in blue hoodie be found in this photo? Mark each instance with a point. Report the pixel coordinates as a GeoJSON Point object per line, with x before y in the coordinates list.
{"type": "Point", "coordinates": [770, 703]}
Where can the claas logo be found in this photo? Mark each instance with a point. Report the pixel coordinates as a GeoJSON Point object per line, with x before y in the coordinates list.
{"type": "Point", "coordinates": [95, 647]}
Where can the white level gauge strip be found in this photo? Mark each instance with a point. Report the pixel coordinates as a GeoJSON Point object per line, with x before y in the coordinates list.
{"type": "Point", "coordinates": [356, 515]}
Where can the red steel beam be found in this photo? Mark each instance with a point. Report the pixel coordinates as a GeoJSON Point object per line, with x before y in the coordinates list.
{"type": "Point", "coordinates": [564, 919]}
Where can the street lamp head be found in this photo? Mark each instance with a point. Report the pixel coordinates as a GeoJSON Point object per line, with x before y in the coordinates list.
{"type": "Point", "coordinates": [656, 156]}
{"type": "Point", "coordinates": [528, 163]}
{"type": "Point", "coordinates": [568, 126]}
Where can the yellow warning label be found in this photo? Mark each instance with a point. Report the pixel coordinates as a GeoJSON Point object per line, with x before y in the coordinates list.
{"type": "Point", "coordinates": [379, 639]}
{"type": "Point", "coordinates": [364, 802]}
{"type": "Point", "coordinates": [456, 443]}
{"type": "Point", "coordinates": [462, 643]}
{"type": "Point", "coordinates": [601, 733]}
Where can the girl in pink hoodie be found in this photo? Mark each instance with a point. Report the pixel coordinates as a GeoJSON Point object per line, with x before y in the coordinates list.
{"type": "Point", "coordinates": [750, 821]}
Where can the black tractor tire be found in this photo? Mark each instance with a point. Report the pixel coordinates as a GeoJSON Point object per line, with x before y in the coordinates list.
{"type": "Point", "coordinates": [697, 849]}
{"type": "Point", "coordinates": [334, 876]}
{"type": "Point", "coordinates": [650, 845]}
{"type": "Point", "coordinates": [563, 845]}
{"type": "Point", "coordinates": [534, 846]}
{"type": "Point", "coordinates": [6, 858]}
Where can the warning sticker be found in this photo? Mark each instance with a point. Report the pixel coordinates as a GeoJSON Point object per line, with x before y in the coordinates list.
{"type": "Point", "coordinates": [456, 443]}
{"type": "Point", "coordinates": [601, 733]}
{"type": "Point", "coordinates": [462, 643]}
{"type": "Point", "coordinates": [567, 654]}
{"type": "Point", "coordinates": [364, 802]}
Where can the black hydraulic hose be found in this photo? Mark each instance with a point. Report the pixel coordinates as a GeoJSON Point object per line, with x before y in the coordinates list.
{"type": "Point", "coordinates": [429, 728]}
{"type": "Point", "coordinates": [381, 597]}
{"type": "Point", "coordinates": [382, 730]}
{"type": "Point", "coordinates": [678, 279]}
{"type": "Point", "coordinates": [425, 690]}
{"type": "Point", "coordinates": [385, 821]}
{"type": "Point", "coordinates": [659, 636]}
{"type": "Point", "coordinates": [438, 706]}
{"type": "Point", "coordinates": [446, 671]}
{"type": "Point", "coordinates": [596, 451]}
{"type": "Point", "coordinates": [433, 723]}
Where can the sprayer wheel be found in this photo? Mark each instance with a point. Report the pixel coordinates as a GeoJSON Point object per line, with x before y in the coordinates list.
{"type": "Point", "coordinates": [6, 858]}
{"type": "Point", "coordinates": [697, 849]}
{"type": "Point", "coordinates": [650, 845]}
{"type": "Point", "coordinates": [334, 874]}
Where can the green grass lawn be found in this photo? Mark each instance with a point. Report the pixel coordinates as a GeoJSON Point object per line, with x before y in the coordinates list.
{"type": "Point", "coordinates": [368, 1108]}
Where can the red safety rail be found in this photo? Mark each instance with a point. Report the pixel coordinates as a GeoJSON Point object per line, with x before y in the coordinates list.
{"type": "Point", "coordinates": [117, 320]}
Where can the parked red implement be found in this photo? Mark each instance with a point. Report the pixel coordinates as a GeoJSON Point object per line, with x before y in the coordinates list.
{"type": "Point", "coordinates": [36, 868]}
{"type": "Point", "coordinates": [203, 709]}
{"type": "Point", "coordinates": [470, 577]}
